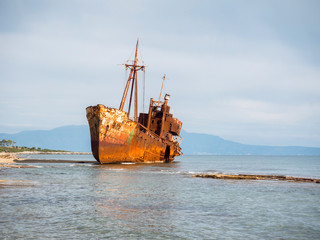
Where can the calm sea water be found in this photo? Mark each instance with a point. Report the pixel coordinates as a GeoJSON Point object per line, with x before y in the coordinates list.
{"type": "Point", "coordinates": [160, 201]}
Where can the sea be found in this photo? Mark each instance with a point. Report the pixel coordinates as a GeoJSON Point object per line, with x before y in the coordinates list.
{"type": "Point", "coordinates": [85, 200]}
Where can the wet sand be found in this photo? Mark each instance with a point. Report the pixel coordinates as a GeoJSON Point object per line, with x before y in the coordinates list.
{"type": "Point", "coordinates": [7, 159]}
{"type": "Point", "coordinates": [50, 161]}
{"type": "Point", "coordinates": [54, 153]}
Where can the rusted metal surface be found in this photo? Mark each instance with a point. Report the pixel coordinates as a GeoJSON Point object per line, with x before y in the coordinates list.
{"type": "Point", "coordinates": [153, 137]}
{"type": "Point", "coordinates": [116, 138]}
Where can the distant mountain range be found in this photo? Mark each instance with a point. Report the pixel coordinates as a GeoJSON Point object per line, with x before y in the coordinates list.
{"type": "Point", "coordinates": [70, 138]}
{"type": "Point", "coordinates": [205, 144]}
{"type": "Point", "coordinates": [77, 138]}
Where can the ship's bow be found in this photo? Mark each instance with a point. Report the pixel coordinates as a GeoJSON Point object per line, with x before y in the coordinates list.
{"type": "Point", "coordinates": [111, 132]}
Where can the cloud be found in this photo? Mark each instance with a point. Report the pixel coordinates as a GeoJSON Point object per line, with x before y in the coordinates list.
{"type": "Point", "coordinates": [243, 70]}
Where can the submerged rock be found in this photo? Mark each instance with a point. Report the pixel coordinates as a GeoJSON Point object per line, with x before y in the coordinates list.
{"type": "Point", "coordinates": [257, 177]}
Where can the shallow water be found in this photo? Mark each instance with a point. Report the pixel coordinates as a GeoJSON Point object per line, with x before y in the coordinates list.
{"type": "Point", "coordinates": [160, 201]}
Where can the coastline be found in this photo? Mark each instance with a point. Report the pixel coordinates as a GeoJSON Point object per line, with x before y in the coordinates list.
{"type": "Point", "coordinates": [53, 153]}
{"type": "Point", "coordinates": [6, 159]}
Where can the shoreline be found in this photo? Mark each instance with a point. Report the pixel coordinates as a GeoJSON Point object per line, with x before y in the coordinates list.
{"type": "Point", "coordinates": [9, 158]}
{"type": "Point", "coordinates": [6, 158]}
{"type": "Point", "coordinates": [12, 160]}
{"type": "Point", "coordinates": [52, 153]}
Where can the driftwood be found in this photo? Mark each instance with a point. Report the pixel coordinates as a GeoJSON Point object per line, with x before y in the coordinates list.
{"type": "Point", "coordinates": [257, 177]}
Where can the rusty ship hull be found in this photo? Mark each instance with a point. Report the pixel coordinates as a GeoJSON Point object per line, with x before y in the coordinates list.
{"type": "Point", "coordinates": [115, 138]}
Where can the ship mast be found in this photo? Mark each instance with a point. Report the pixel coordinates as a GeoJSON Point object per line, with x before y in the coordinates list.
{"type": "Point", "coordinates": [164, 77]}
{"type": "Point", "coordinates": [134, 68]}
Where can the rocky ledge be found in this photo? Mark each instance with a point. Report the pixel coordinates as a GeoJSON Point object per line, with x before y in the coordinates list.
{"type": "Point", "coordinates": [257, 177]}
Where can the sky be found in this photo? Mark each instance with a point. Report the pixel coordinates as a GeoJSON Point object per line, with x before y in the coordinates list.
{"type": "Point", "coordinates": [247, 71]}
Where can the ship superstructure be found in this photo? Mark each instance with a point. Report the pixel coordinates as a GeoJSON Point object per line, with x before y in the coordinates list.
{"type": "Point", "coordinates": [149, 137]}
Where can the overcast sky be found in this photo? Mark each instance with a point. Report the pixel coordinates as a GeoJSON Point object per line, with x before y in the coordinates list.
{"type": "Point", "coordinates": [247, 71]}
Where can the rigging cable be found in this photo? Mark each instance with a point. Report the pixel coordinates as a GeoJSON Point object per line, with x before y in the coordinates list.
{"type": "Point", "coordinates": [144, 88]}
{"type": "Point", "coordinates": [144, 79]}
{"type": "Point", "coordinates": [125, 77]}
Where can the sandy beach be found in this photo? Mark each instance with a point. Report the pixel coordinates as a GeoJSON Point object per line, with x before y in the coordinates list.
{"type": "Point", "coordinates": [9, 160]}
{"type": "Point", "coordinates": [12, 160]}
{"type": "Point", "coordinates": [6, 158]}
{"type": "Point", "coordinates": [54, 153]}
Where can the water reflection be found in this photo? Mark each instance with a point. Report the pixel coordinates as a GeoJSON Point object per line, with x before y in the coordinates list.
{"type": "Point", "coordinates": [137, 196]}
{"type": "Point", "coordinates": [161, 201]}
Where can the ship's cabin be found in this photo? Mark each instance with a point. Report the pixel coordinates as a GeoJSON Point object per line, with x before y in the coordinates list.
{"type": "Point", "coordinates": [159, 119]}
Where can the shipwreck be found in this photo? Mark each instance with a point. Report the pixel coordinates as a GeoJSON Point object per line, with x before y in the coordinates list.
{"type": "Point", "coordinates": [150, 137]}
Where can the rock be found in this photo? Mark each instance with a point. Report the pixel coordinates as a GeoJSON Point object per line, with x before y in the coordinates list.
{"type": "Point", "coordinates": [257, 177]}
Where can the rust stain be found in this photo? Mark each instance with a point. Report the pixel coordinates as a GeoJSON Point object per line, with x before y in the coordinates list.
{"type": "Point", "coordinates": [151, 137]}
{"type": "Point", "coordinates": [116, 138]}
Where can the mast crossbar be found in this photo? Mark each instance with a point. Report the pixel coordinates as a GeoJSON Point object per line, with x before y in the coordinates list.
{"type": "Point", "coordinates": [134, 68]}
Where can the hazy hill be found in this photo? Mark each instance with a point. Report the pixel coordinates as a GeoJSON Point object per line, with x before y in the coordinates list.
{"type": "Point", "coordinates": [196, 143]}
{"type": "Point", "coordinates": [77, 138]}
{"type": "Point", "coordinates": [70, 138]}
